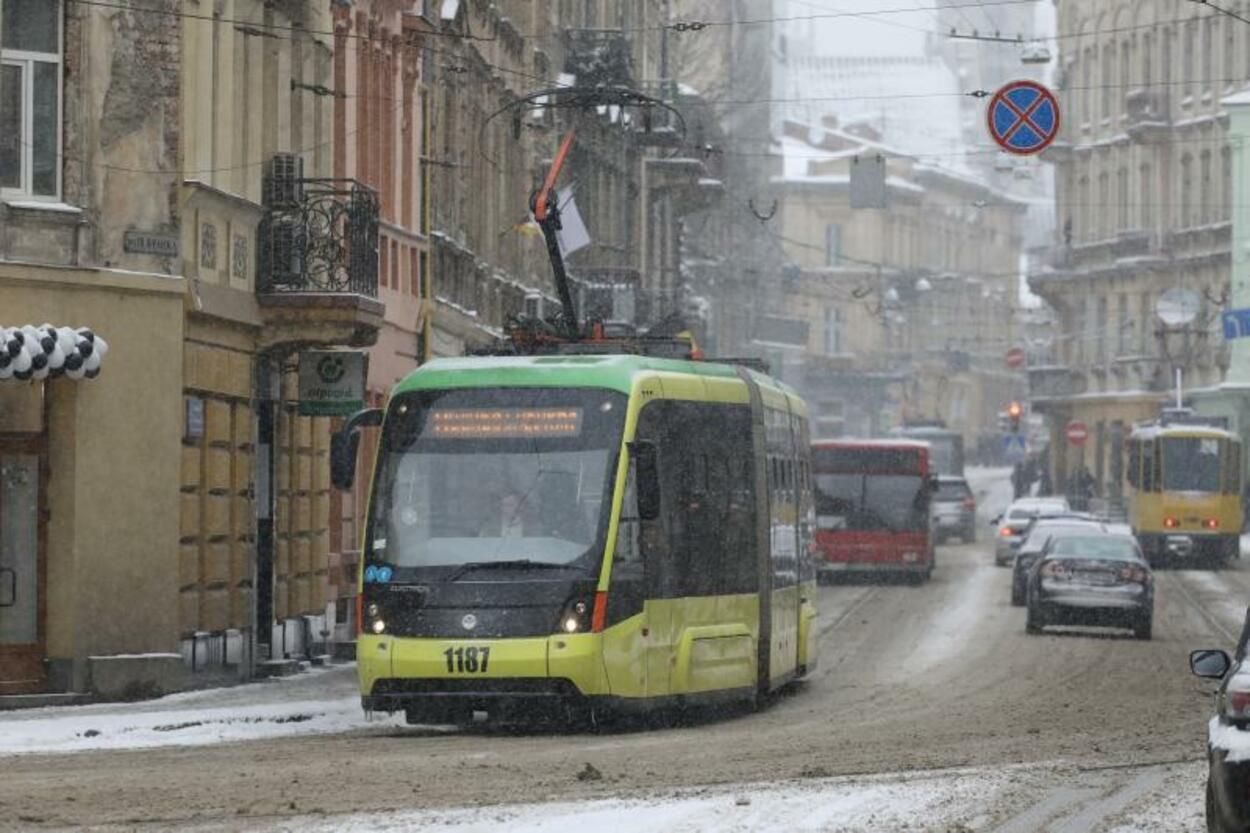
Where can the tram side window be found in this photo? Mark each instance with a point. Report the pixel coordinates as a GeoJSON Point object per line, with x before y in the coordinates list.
{"type": "Point", "coordinates": [1134, 464]}
{"type": "Point", "coordinates": [693, 549]}
{"type": "Point", "coordinates": [1232, 467]}
{"type": "Point", "coordinates": [1149, 466]}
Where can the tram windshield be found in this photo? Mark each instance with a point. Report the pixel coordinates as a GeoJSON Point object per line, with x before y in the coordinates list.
{"type": "Point", "coordinates": [498, 475]}
{"type": "Point", "coordinates": [1191, 464]}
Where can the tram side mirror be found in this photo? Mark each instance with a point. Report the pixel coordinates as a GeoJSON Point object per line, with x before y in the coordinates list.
{"type": "Point", "coordinates": [345, 445]}
{"type": "Point", "coordinates": [646, 478]}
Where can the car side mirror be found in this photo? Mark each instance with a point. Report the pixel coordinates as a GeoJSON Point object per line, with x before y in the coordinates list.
{"type": "Point", "coordinates": [646, 478]}
{"type": "Point", "coordinates": [1210, 664]}
{"type": "Point", "coordinates": [345, 445]}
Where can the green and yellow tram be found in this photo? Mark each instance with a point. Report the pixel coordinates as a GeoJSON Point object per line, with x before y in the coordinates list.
{"type": "Point", "coordinates": [1186, 491]}
{"type": "Point", "coordinates": [560, 534]}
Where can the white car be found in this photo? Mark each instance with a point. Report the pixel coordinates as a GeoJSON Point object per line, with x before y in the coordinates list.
{"type": "Point", "coordinates": [1012, 523]}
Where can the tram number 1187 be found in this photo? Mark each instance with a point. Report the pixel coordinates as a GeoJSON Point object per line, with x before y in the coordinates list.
{"type": "Point", "coordinates": [470, 660]}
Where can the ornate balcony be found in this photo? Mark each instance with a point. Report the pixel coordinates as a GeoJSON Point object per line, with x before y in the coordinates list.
{"type": "Point", "coordinates": [317, 270]}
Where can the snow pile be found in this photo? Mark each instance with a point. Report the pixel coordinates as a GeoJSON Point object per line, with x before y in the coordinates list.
{"type": "Point", "coordinates": [1234, 741]}
{"type": "Point", "coordinates": [944, 802]}
{"type": "Point", "coordinates": [76, 730]}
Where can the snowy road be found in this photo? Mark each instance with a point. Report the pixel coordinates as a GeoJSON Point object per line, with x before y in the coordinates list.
{"type": "Point", "coordinates": [931, 711]}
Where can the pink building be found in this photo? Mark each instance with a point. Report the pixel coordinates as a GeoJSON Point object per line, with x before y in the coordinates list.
{"type": "Point", "coordinates": [380, 139]}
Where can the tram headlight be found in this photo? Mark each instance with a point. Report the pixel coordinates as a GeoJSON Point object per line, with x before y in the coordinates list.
{"type": "Point", "coordinates": [576, 617]}
{"type": "Point", "coordinates": [377, 624]}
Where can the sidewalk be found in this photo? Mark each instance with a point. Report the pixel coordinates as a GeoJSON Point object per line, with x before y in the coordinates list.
{"type": "Point", "coordinates": [319, 701]}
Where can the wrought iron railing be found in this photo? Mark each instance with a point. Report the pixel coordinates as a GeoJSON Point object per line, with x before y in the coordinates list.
{"type": "Point", "coordinates": [318, 235]}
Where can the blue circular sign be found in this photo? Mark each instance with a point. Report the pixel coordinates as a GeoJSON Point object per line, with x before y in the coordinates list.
{"type": "Point", "coordinates": [1023, 117]}
{"type": "Point", "coordinates": [371, 574]}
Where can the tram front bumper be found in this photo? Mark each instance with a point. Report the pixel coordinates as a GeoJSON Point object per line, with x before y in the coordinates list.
{"type": "Point", "coordinates": [433, 679]}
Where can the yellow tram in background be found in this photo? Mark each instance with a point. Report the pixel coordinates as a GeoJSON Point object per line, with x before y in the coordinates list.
{"type": "Point", "coordinates": [1186, 502]}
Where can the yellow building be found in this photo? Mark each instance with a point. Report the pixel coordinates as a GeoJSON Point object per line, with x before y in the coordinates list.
{"type": "Point", "coordinates": [174, 195]}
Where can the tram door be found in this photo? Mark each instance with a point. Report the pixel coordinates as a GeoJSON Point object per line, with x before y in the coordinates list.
{"type": "Point", "coordinates": [21, 638]}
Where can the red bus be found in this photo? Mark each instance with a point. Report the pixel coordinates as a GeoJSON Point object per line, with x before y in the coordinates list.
{"type": "Point", "coordinates": [872, 507]}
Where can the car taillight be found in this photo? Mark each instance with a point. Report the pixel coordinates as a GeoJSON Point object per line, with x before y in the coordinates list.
{"type": "Point", "coordinates": [1211, 523]}
{"type": "Point", "coordinates": [1171, 523]}
{"type": "Point", "coordinates": [969, 503]}
{"type": "Point", "coordinates": [1005, 532]}
{"type": "Point", "coordinates": [1134, 574]}
{"type": "Point", "coordinates": [1237, 699]}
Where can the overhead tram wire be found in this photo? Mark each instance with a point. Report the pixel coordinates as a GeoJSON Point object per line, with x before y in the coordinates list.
{"type": "Point", "coordinates": [270, 27]}
{"type": "Point", "coordinates": [1233, 13]}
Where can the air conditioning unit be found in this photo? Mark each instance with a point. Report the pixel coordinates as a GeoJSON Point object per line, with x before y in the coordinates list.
{"type": "Point", "coordinates": [284, 180]}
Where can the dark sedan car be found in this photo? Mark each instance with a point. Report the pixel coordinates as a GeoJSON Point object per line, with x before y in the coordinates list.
{"type": "Point", "coordinates": [1091, 578]}
{"type": "Point", "coordinates": [1036, 536]}
{"type": "Point", "coordinates": [1228, 736]}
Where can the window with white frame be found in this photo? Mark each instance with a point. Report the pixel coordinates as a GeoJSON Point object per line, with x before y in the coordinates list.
{"type": "Point", "coordinates": [30, 98]}
{"type": "Point", "coordinates": [833, 245]}
{"type": "Point", "coordinates": [833, 331]}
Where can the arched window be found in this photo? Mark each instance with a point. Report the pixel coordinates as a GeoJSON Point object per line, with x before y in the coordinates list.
{"type": "Point", "coordinates": [1126, 72]}
{"type": "Point", "coordinates": [1207, 195]}
{"type": "Point", "coordinates": [1106, 216]}
{"type": "Point", "coordinates": [1187, 56]}
{"type": "Point", "coordinates": [1226, 184]}
{"type": "Point", "coordinates": [1208, 50]}
{"type": "Point", "coordinates": [1088, 74]}
{"type": "Point", "coordinates": [1187, 191]}
{"type": "Point", "coordinates": [1230, 50]}
{"type": "Point", "coordinates": [1082, 212]}
{"type": "Point", "coordinates": [1108, 79]}
{"type": "Point", "coordinates": [1121, 199]}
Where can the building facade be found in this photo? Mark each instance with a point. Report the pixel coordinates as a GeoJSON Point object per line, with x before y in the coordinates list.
{"type": "Point", "coordinates": [1143, 196]}
{"type": "Point", "coordinates": [168, 181]}
{"type": "Point", "coordinates": [902, 313]}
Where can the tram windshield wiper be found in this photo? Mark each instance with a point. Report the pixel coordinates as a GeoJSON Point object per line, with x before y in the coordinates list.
{"type": "Point", "coordinates": [509, 564]}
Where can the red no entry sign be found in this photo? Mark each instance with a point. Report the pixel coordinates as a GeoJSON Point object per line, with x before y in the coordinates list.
{"type": "Point", "coordinates": [1077, 432]}
{"type": "Point", "coordinates": [1015, 357]}
{"type": "Point", "coordinates": [1023, 117]}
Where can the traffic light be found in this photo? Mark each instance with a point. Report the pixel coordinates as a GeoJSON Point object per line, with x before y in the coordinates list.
{"type": "Point", "coordinates": [1014, 411]}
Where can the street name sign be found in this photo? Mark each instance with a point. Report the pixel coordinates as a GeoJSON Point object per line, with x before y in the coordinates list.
{"type": "Point", "coordinates": [1023, 117]}
{"type": "Point", "coordinates": [331, 382]}
{"type": "Point", "coordinates": [150, 243]}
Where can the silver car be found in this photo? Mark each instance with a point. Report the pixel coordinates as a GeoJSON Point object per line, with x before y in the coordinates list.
{"type": "Point", "coordinates": [1013, 523]}
{"type": "Point", "coordinates": [954, 509]}
{"type": "Point", "coordinates": [1091, 578]}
